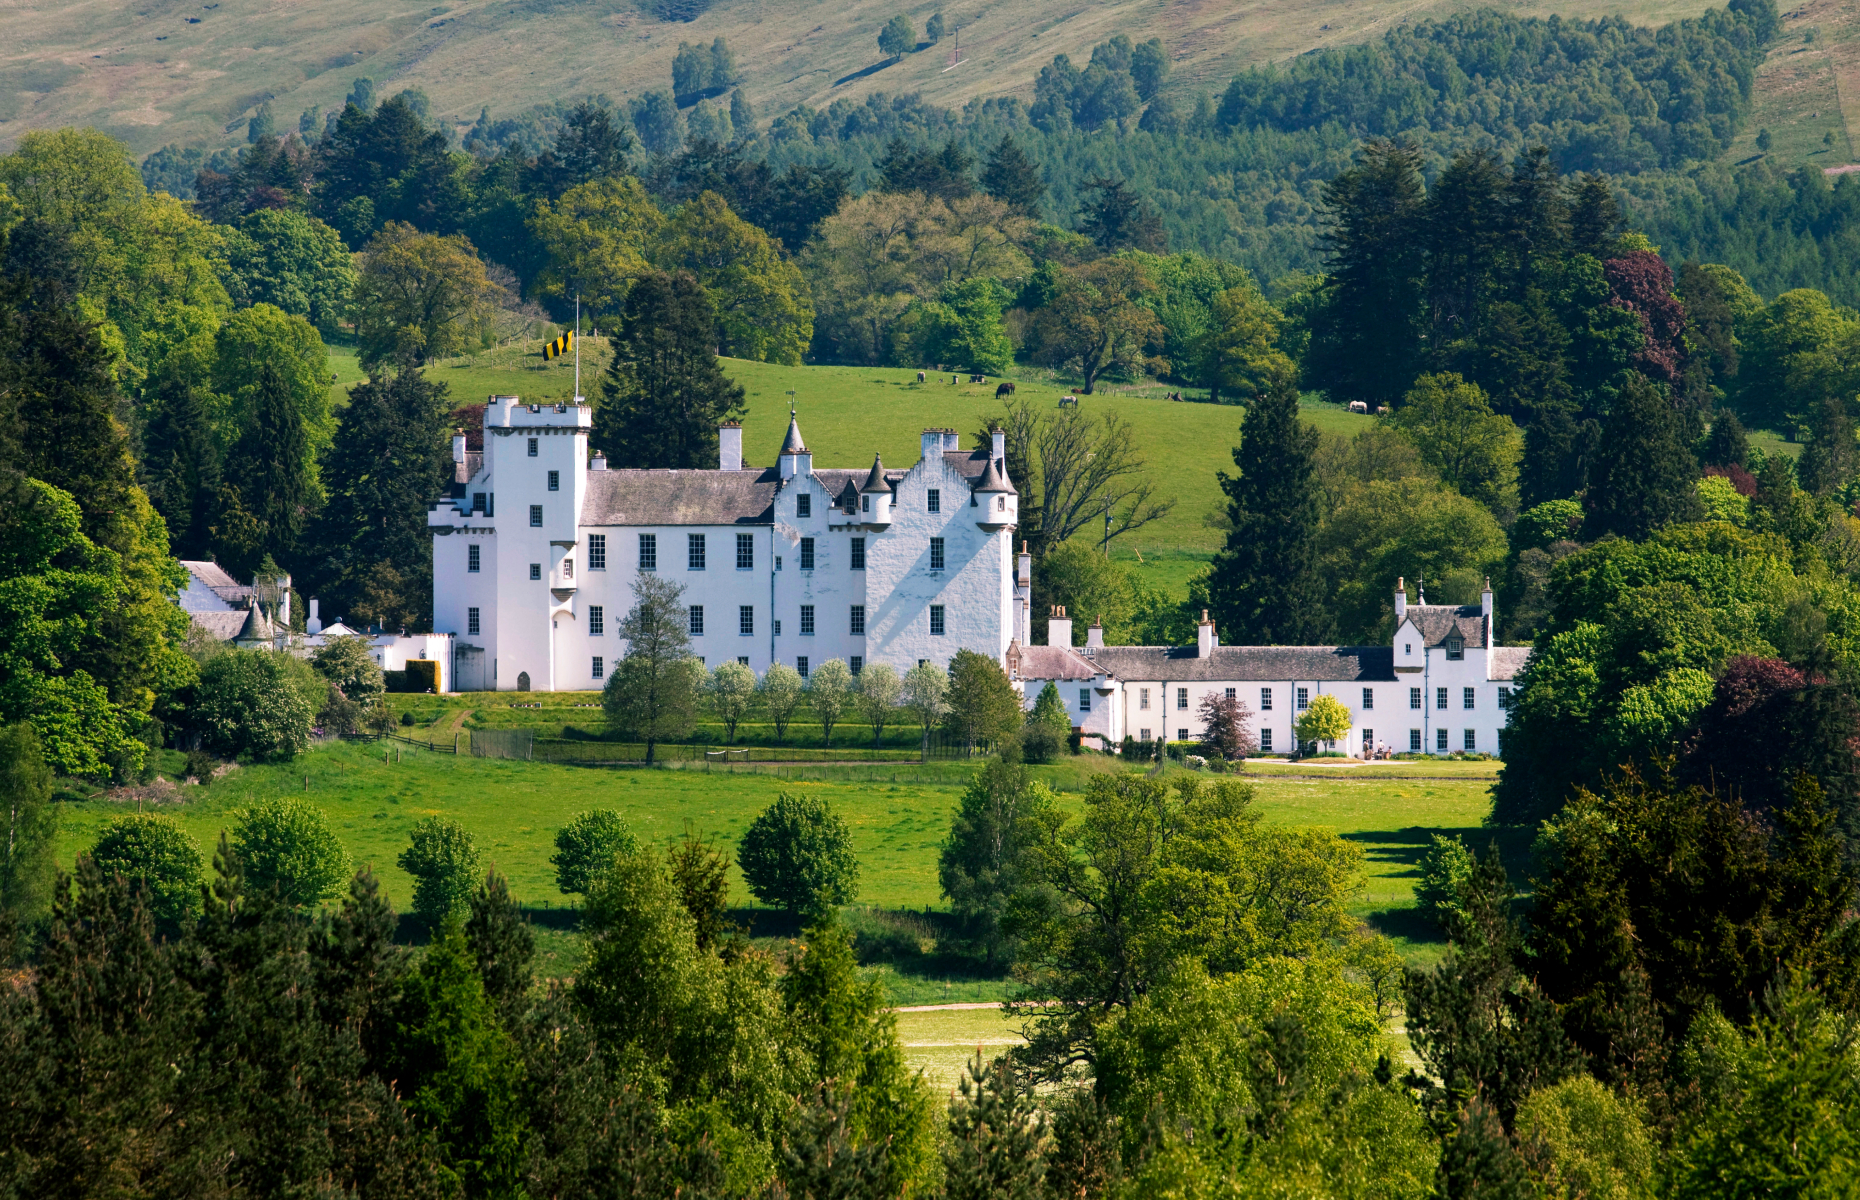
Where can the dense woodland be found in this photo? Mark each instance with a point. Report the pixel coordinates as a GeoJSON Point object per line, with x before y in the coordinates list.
{"type": "Point", "coordinates": [1516, 249]}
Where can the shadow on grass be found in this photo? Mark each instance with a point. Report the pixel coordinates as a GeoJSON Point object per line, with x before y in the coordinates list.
{"type": "Point", "coordinates": [1406, 847]}
{"type": "Point", "coordinates": [1407, 924]}
{"type": "Point", "coordinates": [413, 929]}
{"type": "Point", "coordinates": [874, 69]}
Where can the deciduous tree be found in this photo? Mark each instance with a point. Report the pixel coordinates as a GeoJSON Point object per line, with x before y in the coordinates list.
{"type": "Point", "coordinates": [653, 691]}
{"type": "Point", "coordinates": [417, 297]}
{"type": "Point", "coordinates": [797, 854]}
{"type": "Point", "coordinates": [878, 695]}
{"type": "Point", "coordinates": [443, 858]}
{"type": "Point", "coordinates": [288, 844]}
{"type": "Point", "coordinates": [153, 851]}
{"type": "Point", "coordinates": [586, 846]}
{"type": "Point", "coordinates": [732, 695]}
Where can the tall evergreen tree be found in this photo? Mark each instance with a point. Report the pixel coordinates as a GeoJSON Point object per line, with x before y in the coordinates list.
{"type": "Point", "coordinates": [266, 477]}
{"type": "Point", "coordinates": [1465, 230]}
{"type": "Point", "coordinates": [1264, 586]}
{"type": "Point", "coordinates": [1365, 336]}
{"type": "Point", "coordinates": [1559, 452]}
{"type": "Point", "coordinates": [181, 465]}
{"type": "Point", "coordinates": [1644, 476]}
{"type": "Point", "coordinates": [28, 826]}
{"type": "Point", "coordinates": [664, 394]}
{"type": "Point", "coordinates": [1118, 219]}
{"type": "Point", "coordinates": [1013, 178]}
{"type": "Point", "coordinates": [389, 459]}
{"type": "Point", "coordinates": [1829, 460]}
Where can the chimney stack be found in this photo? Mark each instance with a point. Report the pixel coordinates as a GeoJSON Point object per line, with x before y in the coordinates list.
{"type": "Point", "coordinates": [931, 444]}
{"type": "Point", "coordinates": [1059, 627]}
{"type": "Point", "coordinates": [997, 437]}
{"type": "Point", "coordinates": [1401, 599]}
{"type": "Point", "coordinates": [314, 625]}
{"type": "Point", "coordinates": [1024, 568]}
{"type": "Point", "coordinates": [458, 446]}
{"type": "Point", "coordinates": [1094, 636]}
{"type": "Point", "coordinates": [598, 462]}
{"type": "Point", "coordinates": [730, 446]}
{"type": "Point", "coordinates": [1485, 603]}
{"type": "Point", "coordinates": [1204, 637]}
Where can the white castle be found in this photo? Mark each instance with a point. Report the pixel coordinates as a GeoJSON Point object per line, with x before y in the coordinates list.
{"type": "Point", "coordinates": [535, 554]}
{"type": "Point", "coordinates": [536, 551]}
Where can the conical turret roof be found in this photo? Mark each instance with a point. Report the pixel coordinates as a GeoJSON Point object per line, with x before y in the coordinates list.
{"type": "Point", "coordinates": [994, 479]}
{"type": "Point", "coordinates": [875, 483]}
{"type": "Point", "coordinates": [256, 627]}
{"type": "Point", "coordinates": [792, 444]}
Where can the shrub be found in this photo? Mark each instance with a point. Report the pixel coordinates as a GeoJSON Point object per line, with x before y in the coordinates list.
{"type": "Point", "coordinates": [443, 860]}
{"type": "Point", "coordinates": [586, 846]}
{"type": "Point", "coordinates": [1446, 868]}
{"type": "Point", "coordinates": [349, 663]}
{"type": "Point", "coordinates": [406, 719]}
{"type": "Point", "coordinates": [289, 844]}
{"type": "Point", "coordinates": [156, 851]}
{"type": "Point", "coordinates": [798, 855]}
{"type": "Point", "coordinates": [200, 765]}
{"type": "Point", "coordinates": [250, 704]}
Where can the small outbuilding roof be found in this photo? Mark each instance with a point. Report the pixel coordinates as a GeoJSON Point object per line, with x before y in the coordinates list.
{"type": "Point", "coordinates": [1326, 664]}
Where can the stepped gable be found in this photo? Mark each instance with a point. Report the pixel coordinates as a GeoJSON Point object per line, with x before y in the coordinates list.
{"type": "Point", "coordinates": [1324, 664]}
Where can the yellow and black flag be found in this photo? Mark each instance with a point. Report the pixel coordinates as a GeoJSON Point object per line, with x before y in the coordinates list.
{"type": "Point", "coordinates": [559, 346]}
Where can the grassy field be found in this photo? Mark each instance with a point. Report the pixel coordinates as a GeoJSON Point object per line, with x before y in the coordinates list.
{"type": "Point", "coordinates": [153, 73]}
{"type": "Point", "coordinates": [1807, 89]}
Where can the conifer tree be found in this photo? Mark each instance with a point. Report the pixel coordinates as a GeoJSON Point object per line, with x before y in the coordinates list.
{"type": "Point", "coordinates": [1644, 476]}
{"type": "Point", "coordinates": [1013, 178]}
{"type": "Point", "coordinates": [1828, 461]}
{"type": "Point", "coordinates": [664, 394]}
{"type": "Point", "coordinates": [28, 826]}
{"type": "Point", "coordinates": [389, 459]}
{"type": "Point", "coordinates": [503, 946]}
{"type": "Point", "coordinates": [266, 472]}
{"type": "Point", "coordinates": [181, 464]}
{"type": "Point", "coordinates": [1365, 337]}
{"type": "Point", "coordinates": [1478, 1161]}
{"type": "Point", "coordinates": [1264, 587]}
{"type": "Point", "coordinates": [997, 1138]}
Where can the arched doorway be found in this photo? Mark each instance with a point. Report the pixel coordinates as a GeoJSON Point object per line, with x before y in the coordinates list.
{"type": "Point", "coordinates": [523, 681]}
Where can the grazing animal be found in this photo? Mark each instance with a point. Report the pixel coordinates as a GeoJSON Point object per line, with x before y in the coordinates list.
{"type": "Point", "coordinates": [1382, 410]}
{"type": "Point", "coordinates": [1068, 402]}
{"type": "Point", "coordinates": [920, 377]}
{"type": "Point", "coordinates": [1358, 406]}
{"type": "Point", "coordinates": [1006, 389]}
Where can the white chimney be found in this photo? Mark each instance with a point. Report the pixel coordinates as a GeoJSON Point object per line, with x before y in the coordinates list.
{"type": "Point", "coordinates": [458, 447]}
{"type": "Point", "coordinates": [1401, 599]}
{"type": "Point", "coordinates": [1024, 569]}
{"type": "Point", "coordinates": [952, 441]}
{"type": "Point", "coordinates": [932, 444]}
{"type": "Point", "coordinates": [1094, 636]}
{"type": "Point", "coordinates": [598, 462]}
{"type": "Point", "coordinates": [1059, 627]}
{"type": "Point", "coordinates": [998, 436]}
{"type": "Point", "coordinates": [1204, 637]}
{"type": "Point", "coordinates": [729, 446]}
{"type": "Point", "coordinates": [314, 625]}
{"type": "Point", "coordinates": [1485, 603]}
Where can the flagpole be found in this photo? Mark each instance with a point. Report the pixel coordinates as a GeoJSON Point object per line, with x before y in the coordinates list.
{"type": "Point", "coordinates": [577, 347]}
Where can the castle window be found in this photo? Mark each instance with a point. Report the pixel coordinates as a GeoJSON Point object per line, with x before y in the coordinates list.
{"type": "Point", "coordinates": [1265, 741]}
{"type": "Point", "coordinates": [865, 504]}
{"type": "Point", "coordinates": [471, 620]}
{"type": "Point", "coordinates": [1084, 700]}
{"type": "Point", "coordinates": [858, 554]}
{"type": "Point", "coordinates": [555, 481]}
{"type": "Point", "coordinates": [697, 620]}
{"type": "Point", "coordinates": [1304, 699]}
{"type": "Point", "coordinates": [535, 516]}
{"type": "Point", "coordinates": [471, 558]}
{"type": "Point", "coordinates": [936, 501]}
{"type": "Point", "coordinates": [599, 667]}
{"type": "Point", "coordinates": [746, 620]}
{"type": "Point", "coordinates": [532, 447]}
{"type": "Point", "coordinates": [1265, 699]}
{"type": "Point", "coordinates": [807, 554]}
{"type": "Point", "coordinates": [1181, 700]}
{"type": "Point", "coordinates": [535, 570]}
{"type": "Point", "coordinates": [477, 502]}
{"type": "Point", "coordinates": [856, 664]}
{"type": "Point", "coordinates": [1414, 697]}
{"type": "Point", "coordinates": [1232, 693]}
{"type": "Point", "coordinates": [1143, 702]}
{"type": "Point", "coordinates": [1440, 697]}
{"type": "Point", "coordinates": [804, 505]}
{"type": "Point", "coordinates": [936, 619]}
{"type": "Point", "coordinates": [1440, 741]}
{"type": "Point", "coordinates": [1369, 699]}
{"type": "Point", "coordinates": [1414, 741]}
{"type": "Point", "coordinates": [648, 551]}
{"type": "Point", "coordinates": [800, 666]}
{"type": "Point", "coordinates": [1369, 740]}
{"type": "Point", "coordinates": [568, 568]}
{"type": "Point", "coordinates": [1456, 649]}
{"type": "Point", "coordinates": [936, 554]}
{"type": "Point", "coordinates": [807, 620]}
{"type": "Point", "coordinates": [1472, 740]}
{"type": "Point", "coordinates": [597, 552]}
{"type": "Point", "coordinates": [857, 621]}
{"type": "Point", "coordinates": [1504, 698]}
{"type": "Point", "coordinates": [694, 551]}
{"type": "Point", "coordinates": [597, 622]}
{"type": "Point", "coordinates": [1468, 697]}
{"type": "Point", "coordinates": [745, 551]}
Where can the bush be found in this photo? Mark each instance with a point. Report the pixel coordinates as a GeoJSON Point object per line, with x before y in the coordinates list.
{"type": "Point", "coordinates": [289, 844]}
{"type": "Point", "coordinates": [200, 766]}
{"type": "Point", "coordinates": [798, 855]}
{"type": "Point", "coordinates": [443, 860]}
{"type": "Point", "coordinates": [349, 663]}
{"type": "Point", "coordinates": [586, 846]}
{"type": "Point", "coordinates": [156, 851]}
{"type": "Point", "coordinates": [1039, 742]}
{"type": "Point", "coordinates": [249, 703]}
{"type": "Point", "coordinates": [406, 720]}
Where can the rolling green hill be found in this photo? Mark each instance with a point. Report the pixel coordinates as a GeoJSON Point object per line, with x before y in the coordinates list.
{"type": "Point", "coordinates": [192, 71]}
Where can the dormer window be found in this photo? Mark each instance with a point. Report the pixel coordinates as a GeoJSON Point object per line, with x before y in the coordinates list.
{"type": "Point", "coordinates": [1456, 648]}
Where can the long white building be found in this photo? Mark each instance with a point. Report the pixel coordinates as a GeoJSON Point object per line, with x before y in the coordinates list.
{"type": "Point", "coordinates": [1442, 684]}
{"type": "Point", "coordinates": [535, 554]}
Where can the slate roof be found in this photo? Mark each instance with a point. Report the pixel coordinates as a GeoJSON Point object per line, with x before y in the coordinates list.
{"type": "Point", "coordinates": [744, 497]}
{"type": "Point", "coordinates": [1340, 664]}
{"type": "Point", "coordinates": [1507, 661]}
{"type": "Point", "coordinates": [209, 573]}
{"type": "Point", "coordinates": [222, 626]}
{"type": "Point", "coordinates": [1056, 662]}
{"type": "Point", "coordinates": [1436, 621]}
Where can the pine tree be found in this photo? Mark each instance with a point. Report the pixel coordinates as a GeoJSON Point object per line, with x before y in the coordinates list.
{"type": "Point", "coordinates": [1644, 475]}
{"type": "Point", "coordinates": [181, 465]}
{"type": "Point", "coordinates": [997, 1138]}
{"type": "Point", "coordinates": [1264, 586]}
{"type": "Point", "coordinates": [1559, 452]}
{"type": "Point", "coordinates": [389, 459]}
{"type": "Point", "coordinates": [266, 469]}
{"type": "Point", "coordinates": [1013, 178]}
{"type": "Point", "coordinates": [664, 395]}
{"type": "Point", "coordinates": [1365, 337]}
{"type": "Point", "coordinates": [503, 946]}
{"type": "Point", "coordinates": [1828, 461]}
{"type": "Point", "coordinates": [28, 826]}
{"type": "Point", "coordinates": [1478, 1161]}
